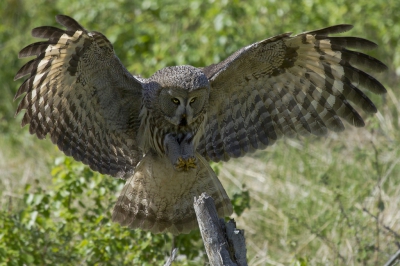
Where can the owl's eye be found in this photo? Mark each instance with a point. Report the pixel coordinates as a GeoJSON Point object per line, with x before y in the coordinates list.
{"type": "Point", "coordinates": [192, 100]}
{"type": "Point", "coordinates": [175, 101]}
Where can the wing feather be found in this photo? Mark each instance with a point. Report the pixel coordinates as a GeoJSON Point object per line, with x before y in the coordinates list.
{"type": "Point", "coordinates": [80, 94]}
{"type": "Point", "coordinates": [287, 85]}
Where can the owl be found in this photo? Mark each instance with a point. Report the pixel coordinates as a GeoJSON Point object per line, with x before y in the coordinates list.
{"type": "Point", "coordinates": [160, 133]}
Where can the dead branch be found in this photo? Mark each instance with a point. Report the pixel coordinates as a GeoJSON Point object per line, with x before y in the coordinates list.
{"type": "Point", "coordinates": [224, 244]}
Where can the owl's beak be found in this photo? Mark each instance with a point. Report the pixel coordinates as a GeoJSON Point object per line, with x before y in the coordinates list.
{"type": "Point", "coordinates": [183, 120]}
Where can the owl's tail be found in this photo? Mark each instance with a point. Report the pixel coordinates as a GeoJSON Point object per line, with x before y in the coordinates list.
{"type": "Point", "coordinates": [159, 199]}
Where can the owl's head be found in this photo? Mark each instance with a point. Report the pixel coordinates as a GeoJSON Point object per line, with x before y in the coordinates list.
{"type": "Point", "coordinates": [182, 94]}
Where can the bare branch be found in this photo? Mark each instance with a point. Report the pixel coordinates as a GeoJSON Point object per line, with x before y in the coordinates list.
{"type": "Point", "coordinates": [224, 244]}
{"type": "Point", "coordinates": [172, 258]}
{"type": "Point", "coordinates": [394, 259]}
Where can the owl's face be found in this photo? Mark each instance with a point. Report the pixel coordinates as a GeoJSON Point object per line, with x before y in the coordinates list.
{"type": "Point", "coordinates": [180, 107]}
{"type": "Point", "coordinates": [182, 95]}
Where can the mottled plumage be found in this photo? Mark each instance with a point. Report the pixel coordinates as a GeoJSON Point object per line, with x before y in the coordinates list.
{"type": "Point", "coordinates": [158, 133]}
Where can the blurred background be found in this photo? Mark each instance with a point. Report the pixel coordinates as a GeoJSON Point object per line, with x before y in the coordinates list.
{"type": "Point", "coordinates": [313, 201]}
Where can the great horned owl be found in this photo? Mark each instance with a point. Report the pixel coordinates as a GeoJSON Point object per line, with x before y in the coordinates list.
{"type": "Point", "coordinates": [159, 133]}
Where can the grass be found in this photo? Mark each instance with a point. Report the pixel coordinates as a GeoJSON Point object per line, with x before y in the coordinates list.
{"type": "Point", "coordinates": [23, 159]}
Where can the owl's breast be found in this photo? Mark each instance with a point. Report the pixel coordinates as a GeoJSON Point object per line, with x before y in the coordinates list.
{"type": "Point", "coordinates": [154, 129]}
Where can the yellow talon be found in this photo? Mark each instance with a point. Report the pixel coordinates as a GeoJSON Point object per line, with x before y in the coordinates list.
{"type": "Point", "coordinates": [181, 163]}
{"type": "Point", "coordinates": [191, 163]}
{"type": "Point", "coordinates": [185, 165]}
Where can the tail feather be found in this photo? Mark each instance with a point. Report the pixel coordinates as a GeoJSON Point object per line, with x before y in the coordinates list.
{"type": "Point", "coordinates": [160, 199]}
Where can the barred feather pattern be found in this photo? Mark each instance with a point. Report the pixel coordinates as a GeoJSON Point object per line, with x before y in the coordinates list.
{"type": "Point", "coordinates": [287, 85]}
{"type": "Point", "coordinates": [79, 93]}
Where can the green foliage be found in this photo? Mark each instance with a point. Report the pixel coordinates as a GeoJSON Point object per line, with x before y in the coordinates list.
{"type": "Point", "coordinates": [313, 202]}
{"type": "Point", "coordinates": [241, 201]}
{"type": "Point", "coordinates": [301, 262]}
{"type": "Point", "coordinates": [69, 223]}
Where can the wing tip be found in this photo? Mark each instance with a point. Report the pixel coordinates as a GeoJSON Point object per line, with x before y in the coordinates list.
{"type": "Point", "coordinates": [63, 19]}
{"type": "Point", "coordinates": [339, 28]}
{"type": "Point", "coordinates": [69, 23]}
{"type": "Point", "coordinates": [335, 29]}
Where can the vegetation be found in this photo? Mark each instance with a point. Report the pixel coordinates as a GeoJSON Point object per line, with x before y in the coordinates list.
{"type": "Point", "coordinates": [314, 201]}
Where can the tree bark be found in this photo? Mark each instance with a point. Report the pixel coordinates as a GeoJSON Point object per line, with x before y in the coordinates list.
{"type": "Point", "coordinates": [224, 244]}
{"type": "Point", "coordinates": [172, 258]}
{"type": "Point", "coordinates": [394, 259]}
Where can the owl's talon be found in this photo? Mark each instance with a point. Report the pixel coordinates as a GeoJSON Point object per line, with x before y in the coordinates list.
{"type": "Point", "coordinates": [185, 164]}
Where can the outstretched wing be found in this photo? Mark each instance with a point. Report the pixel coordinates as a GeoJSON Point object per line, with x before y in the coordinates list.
{"type": "Point", "coordinates": [80, 94]}
{"type": "Point", "coordinates": [284, 86]}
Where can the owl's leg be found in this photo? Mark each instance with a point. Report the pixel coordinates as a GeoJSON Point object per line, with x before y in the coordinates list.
{"type": "Point", "coordinates": [180, 151]}
{"type": "Point", "coordinates": [187, 152]}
